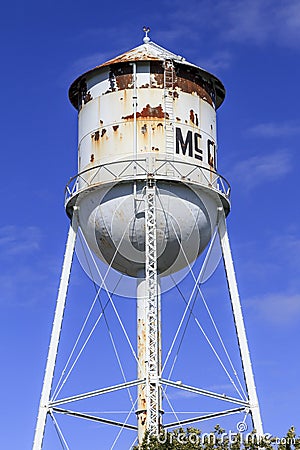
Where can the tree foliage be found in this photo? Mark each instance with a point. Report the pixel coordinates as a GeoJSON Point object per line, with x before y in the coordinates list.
{"type": "Point", "coordinates": [193, 439]}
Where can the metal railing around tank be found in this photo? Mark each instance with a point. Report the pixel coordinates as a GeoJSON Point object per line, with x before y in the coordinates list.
{"type": "Point", "coordinates": [140, 169]}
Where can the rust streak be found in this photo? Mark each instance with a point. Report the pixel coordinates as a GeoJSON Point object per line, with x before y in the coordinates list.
{"type": "Point", "coordinates": [192, 116]}
{"type": "Point", "coordinates": [95, 135]}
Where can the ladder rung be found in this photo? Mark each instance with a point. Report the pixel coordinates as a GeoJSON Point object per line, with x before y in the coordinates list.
{"type": "Point", "coordinates": [169, 77]}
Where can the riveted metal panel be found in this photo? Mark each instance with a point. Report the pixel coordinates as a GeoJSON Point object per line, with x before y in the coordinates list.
{"type": "Point", "coordinates": [129, 110]}
{"type": "Point", "coordinates": [106, 124]}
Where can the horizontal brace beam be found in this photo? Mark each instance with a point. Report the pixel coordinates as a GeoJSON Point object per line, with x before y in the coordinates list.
{"type": "Point", "coordinates": [94, 418]}
{"type": "Point", "coordinates": [107, 390]}
{"type": "Point", "coordinates": [206, 417]}
{"type": "Point", "coordinates": [195, 390]}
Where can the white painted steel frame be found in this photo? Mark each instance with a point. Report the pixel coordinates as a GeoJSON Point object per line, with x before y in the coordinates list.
{"type": "Point", "coordinates": [240, 327]}
{"type": "Point", "coordinates": [55, 337]}
{"type": "Point", "coordinates": [152, 381]}
{"type": "Point", "coordinates": [152, 360]}
{"type": "Point", "coordinates": [98, 392]}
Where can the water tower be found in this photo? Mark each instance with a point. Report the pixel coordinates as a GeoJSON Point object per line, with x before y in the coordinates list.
{"type": "Point", "coordinates": [147, 200]}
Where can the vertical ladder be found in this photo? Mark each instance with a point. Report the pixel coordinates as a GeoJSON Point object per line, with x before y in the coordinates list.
{"type": "Point", "coordinates": [169, 79]}
{"type": "Point", "coordinates": [152, 360]}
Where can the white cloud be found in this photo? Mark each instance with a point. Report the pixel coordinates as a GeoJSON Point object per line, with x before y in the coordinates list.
{"type": "Point", "coordinates": [219, 60]}
{"type": "Point", "coordinates": [253, 21]}
{"type": "Point", "coordinates": [90, 61]}
{"type": "Point", "coordinates": [247, 20]}
{"type": "Point", "coordinates": [26, 278]}
{"type": "Point", "coordinates": [289, 14]}
{"type": "Point", "coordinates": [181, 393]}
{"type": "Point", "coordinates": [286, 245]}
{"type": "Point", "coordinates": [262, 168]}
{"type": "Point", "coordinates": [24, 285]}
{"type": "Point", "coordinates": [272, 129]}
{"type": "Point", "coordinates": [16, 240]}
{"type": "Point", "coordinates": [278, 308]}
{"type": "Point", "coordinates": [225, 387]}
{"type": "Point", "coordinates": [215, 25]}
{"type": "Point", "coordinates": [260, 21]}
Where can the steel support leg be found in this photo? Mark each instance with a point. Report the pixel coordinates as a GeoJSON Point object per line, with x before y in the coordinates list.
{"type": "Point", "coordinates": [54, 341]}
{"type": "Point", "coordinates": [240, 327]}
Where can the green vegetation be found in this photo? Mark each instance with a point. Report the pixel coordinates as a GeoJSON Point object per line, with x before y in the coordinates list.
{"type": "Point", "coordinates": [193, 439]}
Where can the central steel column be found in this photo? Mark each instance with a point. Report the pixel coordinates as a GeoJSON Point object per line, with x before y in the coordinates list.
{"type": "Point", "coordinates": [149, 327]}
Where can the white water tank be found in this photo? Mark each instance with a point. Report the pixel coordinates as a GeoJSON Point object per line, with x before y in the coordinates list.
{"type": "Point", "coordinates": [147, 115]}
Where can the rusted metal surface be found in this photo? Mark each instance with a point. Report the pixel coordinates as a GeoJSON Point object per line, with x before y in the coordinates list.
{"type": "Point", "coordinates": [141, 53]}
{"type": "Point", "coordinates": [190, 78]}
{"type": "Point", "coordinates": [194, 118]}
{"type": "Point", "coordinates": [198, 87]}
{"type": "Point", "coordinates": [124, 81]}
{"type": "Point", "coordinates": [191, 87]}
{"type": "Point", "coordinates": [117, 80]}
{"type": "Point", "coordinates": [87, 98]}
{"type": "Point", "coordinates": [109, 123]}
{"type": "Point", "coordinates": [106, 127]}
{"type": "Point", "coordinates": [147, 105]}
{"type": "Point", "coordinates": [148, 112]}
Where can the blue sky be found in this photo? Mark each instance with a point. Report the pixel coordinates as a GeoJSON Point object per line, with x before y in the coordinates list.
{"type": "Point", "coordinates": [253, 47]}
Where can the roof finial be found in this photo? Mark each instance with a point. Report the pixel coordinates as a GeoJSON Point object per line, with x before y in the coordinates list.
{"type": "Point", "coordinates": [146, 39]}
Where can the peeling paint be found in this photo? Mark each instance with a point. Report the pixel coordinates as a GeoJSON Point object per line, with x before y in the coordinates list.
{"type": "Point", "coordinates": [149, 111]}
{"type": "Point", "coordinates": [188, 77]}
{"type": "Point", "coordinates": [124, 81]}
{"type": "Point", "coordinates": [87, 98]}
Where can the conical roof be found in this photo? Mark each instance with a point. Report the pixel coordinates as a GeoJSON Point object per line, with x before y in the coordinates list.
{"type": "Point", "coordinates": [150, 51]}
